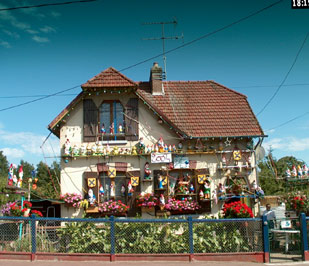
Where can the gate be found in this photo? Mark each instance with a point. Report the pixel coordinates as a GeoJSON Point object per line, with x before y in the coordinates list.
{"type": "Point", "coordinates": [285, 242]}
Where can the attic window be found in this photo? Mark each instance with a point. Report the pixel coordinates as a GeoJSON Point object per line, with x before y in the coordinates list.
{"type": "Point", "coordinates": [111, 120]}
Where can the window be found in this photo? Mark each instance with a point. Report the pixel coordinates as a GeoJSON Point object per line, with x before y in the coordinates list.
{"type": "Point", "coordinates": [111, 120]}
{"type": "Point", "coordinates": [120, 184]}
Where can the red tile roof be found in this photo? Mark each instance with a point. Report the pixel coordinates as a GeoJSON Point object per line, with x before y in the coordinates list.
{"type": "Point", "coordinates": [109, 78]}
{"type": "Point", "coordinates": [203, 109]}
{"type": "Point", "coordinates": [193, 108]}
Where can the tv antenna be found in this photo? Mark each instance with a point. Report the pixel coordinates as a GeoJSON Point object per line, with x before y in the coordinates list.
{"type": "Point", "coordinates": [163, 38]}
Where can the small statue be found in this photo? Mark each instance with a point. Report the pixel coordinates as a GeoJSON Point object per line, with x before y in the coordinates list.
{"type": "Point", "coordinates": [148, 149]}
{"type": "Point", "coordinates": [165, 148]}
{"type": "Point", "coordinates": [112, 189]}
{"type": "Point", "coordinates": [112, 129]}
{"type": "Point", "coordinates": [83, 149]}
{"type": "Point", "coordinates": [152, 148]}
{"type": "Point", "coordinates": [174, 148]}
{"type": "Point", "coordinates": [191, 188]}
{"type": "Point", "coordinates": [201, 194]}
{"type": "Point", "coordinates": [207, 189]}
{"type": "Point", "coordinates": [130, 189]}
{"type": "Point", "coordinates": [161, 142]}
{"type": "Point", "coordinates": [75, 150]}
{"type": "Point", "coordinates": [214, 196]}
{"type": "Point", "coordinates": [134, 151]}
{"type": "Point", "coordinates": [223, 160]}
{"type": "Point", "coordinates": [67, 147]}
{"type": "Point", "coordinates": [101, 193]}
{"type": "Point", "coordinates": [100, 148]}
{"type": "Point", "coordinates": [294, 171]}
{"type": "Point", "coordinates": [123, 190]}
{"type": "Point", "coordinates": [108, 150]}
{"type": "Point", "coordinates": [299, 171]}
{"type": "Point", "coordinates": [103, 130]}
{"type": "Point", "coordinates": [156, 148]}
{"type": "Point", "coordinates": [120, 129]}
{"type": "Point", "coordinates": [221, 190]}
{"type": "Point", "coordinates": [147, 171]}
{"type": "Point", "coordinates": [288, 173]}
{"type": "Point", "coordinates": [115, 150]}
{"type": "Point", "coordinates": [305, 170]}
{"type": "Point", "coordinates": [94, 149]}
{"type": "Point", "coordinates": [89, 151]}
{"type": "Point", "coordinates": [141, 146]}
{"type": "Point", "coordinates": [162, 202]}
{"type": "Point", "coordinates": [91, 197]}
{"type": "Point", "coordinates": [160, 179]}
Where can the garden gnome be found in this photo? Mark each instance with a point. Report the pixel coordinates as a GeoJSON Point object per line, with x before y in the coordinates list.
{"type": "Point", "coordinates": [191, 189]}
{"type": "Point", "coordinates": [75, 150]}
{"type": "Point", "coordinates": [207, 189]}
{"type": "Point", "coordinates": [174, 148]}
{"type": "Point", "coordinates": [147, 171]}
{"type": "Point", "coordinates": [112, 189]}
{"type": "Point", "coordinates": [67, 147]}
{"type": "Point", "coordinates": [201, 194]}
{"type": "Point", "coordinates": [160, 182]}
{"type": "Point", "coordinates": [20, 175]}
{"type": "Point", "coordinates": [120, 129]}
{"type": "Point", "coordinates": [91, 197]}
{"type": "Point", "coordinates": [130, 189]}
{"type": "Point", "coordinates": [294, 171]}
{"type": "Point", "coordinates": [83, 149]}
{"type": "Point", "coordinates": [299, 171]}
{"type": "Point", "coordinates": [101, 193]}
{"type": "Point", "coordinates": [156, 148]}
{"type": "Point", "coordinates": [112, 129]}
{"type": "Point", "coordinates": [141, 146]}
{"type": "Point", "coordinates": [305, 170]}
{"type": "Point", "coordinates": [103, 130]}
{"type": "Point", "coordinates": [123, 190]}
{"type": "Point", "coordinates": [162, 202]}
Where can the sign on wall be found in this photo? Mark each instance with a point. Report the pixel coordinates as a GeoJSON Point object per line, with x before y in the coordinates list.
{"type": "Point", "coordinates": [161, 158]}
{"type": "Point", "coordinates": [181, 162]}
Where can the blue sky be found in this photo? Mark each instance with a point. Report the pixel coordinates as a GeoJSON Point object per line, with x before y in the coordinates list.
{"type": "Point", "coordinates": [50, 49]}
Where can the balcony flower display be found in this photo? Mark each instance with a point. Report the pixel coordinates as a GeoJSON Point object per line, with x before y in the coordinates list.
{"type": "Point", "coordinates": [296, 202]}
{"type": "Point", "coordinates": [72, 199]}
{"type": "Point", "coordinates": [113, 207]}
{"type": "Point", "coordinates": [181, 205]}
{"type": "Point", "coordinates": [237, 210]}
{"type": "Point", "coordinates": [15, 209]}
{"type": "Point", "coordinates": [146, 200]}
{"type": "Point", "coordinates": [36, 213]}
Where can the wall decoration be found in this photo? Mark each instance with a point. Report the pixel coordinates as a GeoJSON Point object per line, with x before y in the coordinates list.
{"type": "Point", "coordinates": [112, 172]}
{"type": "Point", "coordinates": [92, 182]}
{"type": "Point", "coordinates": [237, 155]}
{"type": "Point", "coordinates": [161, 157]}
{"type": "Point", "coordinates": [134, 181]}
{"type": "Point", "coordinates": [147, 171]}
{"type": "Point", "coordinates": [201, 179]}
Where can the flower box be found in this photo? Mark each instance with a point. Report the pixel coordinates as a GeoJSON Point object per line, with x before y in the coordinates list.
{"type": "Point", "coordinates": [92, 209]}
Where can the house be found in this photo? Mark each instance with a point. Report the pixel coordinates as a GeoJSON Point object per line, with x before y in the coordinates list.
{"type": "Point", "coordinates": [189, 140]}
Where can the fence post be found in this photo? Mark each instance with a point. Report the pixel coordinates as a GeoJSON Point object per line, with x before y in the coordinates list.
{"type": "Point", "coordinates": [191, 245]}
{"type": "Point", "coordinates": [303, 231]}
{"type": "Point", "coordinates": [33, 236]}
{"type": "Point", "coordinates": [112, 221]}
{"type": "Point", "coordinates": [265, 238]}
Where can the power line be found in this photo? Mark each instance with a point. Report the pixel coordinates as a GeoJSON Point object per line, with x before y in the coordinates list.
{"type": "Point", "coordinates": [35, 96]}
{"type": "Point", "coordinates": [166, 52]}
{"type": "Point", "coordinates": [32, 101]}
{"type": "Point", "coordinates": [289, 121]}
{"type": "Point", "coordinates": [286, 76]}
{"type": "Point", "coordinates": [48, 4]}
{"type": "Point", "coordinates": [269, 86]}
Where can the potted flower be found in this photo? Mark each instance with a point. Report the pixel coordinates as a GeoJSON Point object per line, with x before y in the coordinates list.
{"type": "Point", "coordinates": [237, 209]}
{"type": "Point", "coordinates": [6, 208]}
{"type": "Point", "coordinates": [36, 213]}
{"type": "Point", "coordinates": [16, 210]}
{"type": "Point", "coordinates": [113, 207]}
{"type": "Point", "coordinates": [296, 202]}
{"type": "Point", "coordinates": [147, 200]}
{"type": "Point", "coordinates": [26, 208]}
{"type": "Point", "coordinates": [72, 199]}
{"type": "Point", "coordinates": [181, 206]}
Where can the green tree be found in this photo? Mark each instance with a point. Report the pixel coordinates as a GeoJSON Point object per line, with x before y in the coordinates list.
{"type": "Point", "coordinates": [47, 185]}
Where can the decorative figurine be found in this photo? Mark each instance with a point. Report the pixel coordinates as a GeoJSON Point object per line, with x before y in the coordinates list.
{"type": "Point", "coordinates": [299, 172]}
{"type": "Point", "coordinates": [88, 149]}
{"type": "Point", "coordinates": [103, 130]}
{"type": "Point", "coordinates": [165, 148]}
{"type": "Point", "coordinates": [180, 146]}
{"type": "Point", "coordinates": [161, 142]}
{"type": "Point", "coordinates": [108, 150]}
{"type": "Point", "coordinates": [174, 148]}
{"type": "Point", "coordinates": [294, 171]}
{"type": "Point", "coordinates": [112, 189]}
{"type": "Point", "coordinates": [160, 179]}
{"type": "Point", "coordinates": [112, 129]}
{"type": "Point", "coordinates": [67, 147]}
{"type": "Point", "coordinates": [305, 170]}
{"type": "Point", "coordinates": [147, 171]}
{"type": "Point", "coordinates": [134, 151]}
{"type": "Point", "coordinates": [120, 129]}
{"type": "Point", "coordinates": [201, 194]}
{"type": "Point", "coordinates": [162, 202]}
{"type": "Point", "coordinates": [141, 146]}
{"type": "Point", "coordinates": [91, 197]}
{"type": "Point", "coordinates": [94, 149]}
{"type": "Point", "coordinates": [191, 188]}
{"type": "Point", "coordinates": [101, 191]}
{"type": "Point", "coordinates": [123, 190]}
{"type": "Point", "coordinates": [83, 149]}
{"type": "Point", "coordinates": [115, 150]}
{"type": "Point", "coordinates": [156, 148]}
{"type": "Point", "coordinates": [214, 196]}
{"type": "Point", "coordinates": [20, 175]}
{"type": "Point", "coordinates": [221, 190]}
{"type": "Point", "coordinates": [223, 160]}
{"type": "Point", "coordinates": [148, 149]}
{"type": "Point", "coordinates": [100, 148]}
{"type": "Point", "coordinates": [75, 150]}
{"type": "Point", "coordinates": [130, 189]}
{"type": "Point", "coordinates": [207, 189]}
{"type": "Point", "coordinates": [152, 148]}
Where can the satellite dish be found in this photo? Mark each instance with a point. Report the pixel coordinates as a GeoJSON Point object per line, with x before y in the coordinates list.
{"type": "Point", "coordinates": [260, 153]}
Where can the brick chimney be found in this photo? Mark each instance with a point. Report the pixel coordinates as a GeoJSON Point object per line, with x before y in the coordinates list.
{"type": "Point", "coordinates": [156, 80]}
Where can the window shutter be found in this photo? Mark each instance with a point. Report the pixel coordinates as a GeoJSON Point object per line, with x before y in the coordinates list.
{"type": "Point", "coordinates": [90, 120]}
{"type": "Point", "coordinates": [131, 118]}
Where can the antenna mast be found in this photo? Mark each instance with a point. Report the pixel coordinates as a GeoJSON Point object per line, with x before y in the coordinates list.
{"type": "Point", "coordinates": [163, 38]}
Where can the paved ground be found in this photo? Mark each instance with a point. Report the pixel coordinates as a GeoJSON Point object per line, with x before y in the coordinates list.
{"type": "Point", "coordinates": [83, 263]}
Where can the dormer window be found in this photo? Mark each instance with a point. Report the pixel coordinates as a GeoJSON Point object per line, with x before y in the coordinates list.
{"type": "Point", "coordinates": [111, 115]}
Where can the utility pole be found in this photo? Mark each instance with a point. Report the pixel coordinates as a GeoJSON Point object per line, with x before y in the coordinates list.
{"type": "Point", "coordinates": [163, 38]}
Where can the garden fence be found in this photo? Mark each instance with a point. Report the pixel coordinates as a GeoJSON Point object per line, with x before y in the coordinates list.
{"type": "Point", "coordinates": [130, 236]}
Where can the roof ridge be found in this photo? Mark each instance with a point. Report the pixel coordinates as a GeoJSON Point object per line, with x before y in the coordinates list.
{"type": "Point", "coordinates": [241, 94]}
